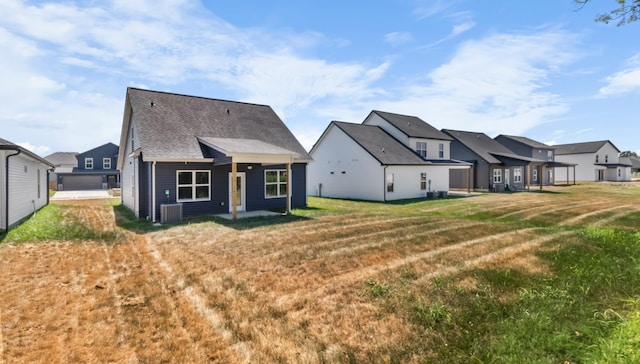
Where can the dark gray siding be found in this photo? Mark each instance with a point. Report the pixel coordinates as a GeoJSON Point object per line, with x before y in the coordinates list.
{"type": "Point", "coordinates": [108, 150]}
{"type": "Point", "coordinates": [143, 189]}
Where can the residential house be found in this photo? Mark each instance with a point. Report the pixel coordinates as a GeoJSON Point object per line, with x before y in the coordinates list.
{"type": "Point", "coordinates": [387, 157]}
{"type": "Point", "coordinates": [635, 166]}
{"type": "Point", "coordinates": [23, 183]}
{"type": "Point", "coordinates": [595, 161]}
{"type": "Point", "coordinates": [95, 169]}
{"type": "Point", "coordinates": [63, 162]}
{"type": "Point", "coordinates": [540, 173]}
{"type": "Point", "coordinates": [207, 156]}
{"type": "Point", "coordinates": [495, 167]}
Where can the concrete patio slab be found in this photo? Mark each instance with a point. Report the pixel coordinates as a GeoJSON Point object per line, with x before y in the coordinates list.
{"type": "Point", "coordinates": [80, 195]}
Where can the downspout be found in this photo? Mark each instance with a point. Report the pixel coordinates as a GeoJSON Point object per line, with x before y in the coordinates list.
{"type": "Point", "coordinates": [6, 190]}
{"type": "Point", "coordinates": [384, 182]}
{"type": "Point", "coordinates": [153, 190]}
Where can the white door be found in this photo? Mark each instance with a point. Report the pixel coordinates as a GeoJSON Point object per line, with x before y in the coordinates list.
{"type": "Point", "coordinates": [507, 182]}
{"type": "Point", "coordinates": [240, 193]}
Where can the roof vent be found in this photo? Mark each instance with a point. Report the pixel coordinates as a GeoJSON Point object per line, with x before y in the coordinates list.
{"type": "Point", "coordinates": [227, 111]}
{"type": "Point", "coordinates": [152, 103]}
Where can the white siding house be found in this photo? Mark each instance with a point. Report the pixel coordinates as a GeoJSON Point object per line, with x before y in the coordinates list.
{"type": "Point", "coordinates": [23, 183]}
{"type": "Point", "coordinates": [375, 161]}
{"type": "Point", "coordinates": [595, 161]}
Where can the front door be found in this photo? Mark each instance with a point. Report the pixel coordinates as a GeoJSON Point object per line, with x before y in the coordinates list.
{"type": "Point", "coordinates": [240, 193]}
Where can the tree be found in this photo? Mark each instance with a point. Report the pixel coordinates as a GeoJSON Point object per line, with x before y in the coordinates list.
{"type": "Point", "coordinates": [628, 153]}
{"type": "Point", "coordinates": [628, 11]}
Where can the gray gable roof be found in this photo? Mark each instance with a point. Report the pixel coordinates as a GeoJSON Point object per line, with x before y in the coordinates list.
{"type": "Point", "coordinates": [377, 142]}
{"type": "Point", "coordinates": [412, 126]}
{"type": "Point", "coordinates": [581, 148]}
{"type": "Point", "coordinates": [60, 158]}
{"type": "Point", "coordinates": [487, 148]}
{"type": "Point", "coordinates": [168, 125]}
{"type": "Point", "coordinates": [526, 141]}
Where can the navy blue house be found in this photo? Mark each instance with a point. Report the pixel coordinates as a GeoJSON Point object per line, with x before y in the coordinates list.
{"type": "Point", "coordinates": [95, 169]}
{"type": "Point", "coordinates": [187, 151]}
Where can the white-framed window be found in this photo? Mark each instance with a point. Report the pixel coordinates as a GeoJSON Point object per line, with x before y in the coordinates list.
{"type": "Point", "coordinates": [106, 163]}
{"type": "Point", "coordinates": [421, 148]}
{"type": "Point", "coordinates": [38, 172]}
{"type": "Point", "coordinates": [497, 176]}
{"type": "Point", "coordinates": [534, 175]}
{"type": "Point", "coordinates": [550, 155]}
{"type": "Point", "coordinates": [423, 181]}
{"type": "Point", "coordinates": [275, 183]}
{"type": "Point", "coordinates": [193, 185]}
{"type": "Point", "coordinates": [619, 173]}
{"type": "Point", "coordinates": [441, 151]}
{"type": "Point", "coordinates": [88, 163]}
{"type": "Point", "coordinates": [597, 158]}
{"type": "Point", "coordinates": [389, 182]}
{"type": "Point", "coordinates": [606, 158]}
{"type": "Point", "coordinates": [517, 175]}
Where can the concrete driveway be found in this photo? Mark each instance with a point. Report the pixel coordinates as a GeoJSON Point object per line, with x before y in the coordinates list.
{"type": "Point", "coordinates": [80, 195]}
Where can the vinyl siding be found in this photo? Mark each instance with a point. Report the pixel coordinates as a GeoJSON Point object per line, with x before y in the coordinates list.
{"type": "Point", "coordinates": [25, 194]}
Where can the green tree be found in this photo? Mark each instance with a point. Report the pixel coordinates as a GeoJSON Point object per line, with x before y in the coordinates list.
{"type": "Point", "coordinates": [627, 11]}
{"type": "Point", "coordinates": [628, 153]}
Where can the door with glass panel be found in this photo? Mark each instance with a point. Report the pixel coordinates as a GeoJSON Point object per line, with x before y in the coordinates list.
{"type": "Point", "coordinates": [240, 193]}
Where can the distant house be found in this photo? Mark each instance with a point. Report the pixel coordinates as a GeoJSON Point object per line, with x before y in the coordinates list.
{"type": "Point", "coordinates": [635, 165]}
{"type": "Point", "coordinates": [495, 167]}
{"type": "Point", "coordinates": [595, 161]}
{"type": "Point", "coordinates": [387, 157]}
{"type": "Point", "coordinates": [541, 172]}
{"type": "Point", "coordinates": [23, 183]}
{"type": "Point", "coordinates": [63, 162]}
{"type": "Point", "coordinates": [95, 169]}
{"type": "Point", "coordinates": [207, 156]}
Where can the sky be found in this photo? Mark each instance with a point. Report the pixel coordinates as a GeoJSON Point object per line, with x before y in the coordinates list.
{"type": "Point", "coordinates": [542, 69]}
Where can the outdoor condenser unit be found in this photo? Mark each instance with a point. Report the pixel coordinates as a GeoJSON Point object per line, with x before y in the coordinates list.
{"type": "Point", "coordinates": [171, 213]}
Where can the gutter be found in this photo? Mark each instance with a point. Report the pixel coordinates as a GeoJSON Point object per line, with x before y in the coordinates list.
{"type": "Point", "coordinates": [6, 190]}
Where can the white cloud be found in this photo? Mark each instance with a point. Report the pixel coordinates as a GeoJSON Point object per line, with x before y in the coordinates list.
{"type": "Point", "coordinates": [398, 38]}
{"type": "Point", "coordinates": [625, 81]}
{"type": "Point", "coordinates": [41, 150]}
{"type": "Point", "coordinates": [496, 84]}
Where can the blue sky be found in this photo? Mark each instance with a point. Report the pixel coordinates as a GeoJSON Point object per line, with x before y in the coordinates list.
{"type": "Point", "coordinates": [542, 69]}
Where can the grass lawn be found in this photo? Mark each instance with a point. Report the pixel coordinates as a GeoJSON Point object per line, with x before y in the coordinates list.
{"type": "Point", "coordinates": [533, 277]}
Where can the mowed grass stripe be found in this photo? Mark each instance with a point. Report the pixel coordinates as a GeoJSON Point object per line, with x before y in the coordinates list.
{"type": "Point", "coordinates": [575, 220]}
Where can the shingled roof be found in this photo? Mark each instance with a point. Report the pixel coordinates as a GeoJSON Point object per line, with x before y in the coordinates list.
{"type": "Point", "coordinates": [526, 141]}
{"type": "Point", "coordinates": [412, 126]}
{"type": "Point", "coordinates": [487, 148]}
{"type": "Point", "coordinates": [7, 145]}
{"type": "Point", "coordinates": [581, 148]}
{"type": "Point", "coordinates": [171, 126]}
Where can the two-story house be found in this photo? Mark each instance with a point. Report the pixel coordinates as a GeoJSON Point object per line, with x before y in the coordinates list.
{"type": "Point", "coordinates": [95, 170]}
{"type": "Point", "coordinates": [595, 161]}
{"type": "Point", "coordinates": [387, 157]}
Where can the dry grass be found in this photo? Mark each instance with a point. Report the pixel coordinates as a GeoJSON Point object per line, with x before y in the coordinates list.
{"type": "Point", "coordinates": [294, 292]}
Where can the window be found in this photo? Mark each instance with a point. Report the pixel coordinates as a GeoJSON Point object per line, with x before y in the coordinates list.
{"type": "Point", "coordinates": [441, 151]}
{"type": "Point", "coordinates": [619, 174]}
{"type": "Point", "coordinates": [597, 158]}
{"type": "Point", "coordinates": [550, 155]}
{"type": "Point", "coordinates": [421, 148]}
{"type": "Point", "coordinates": [517, 175]}
{"type": "Point", "coordinates": [106, 163]}
{"type": "Point", "coordinates": [534, 175]}
{"type": "Point", "coordinates": [497, 176]}
{"type": "Point", "coordinates": [38, 184]}
{"type": "Point", "coordinates": [88, 163]}
{"type": "Point", "coordinates": [389, 182]}
{"type": "Point", "coordinates": [423, 181]}
{"type": "Point", "coordinates": [606, 158]}
{"type": "Point", "coordinates": [193, 186]}
{"type": "Point", "coordinates": [275, 183]}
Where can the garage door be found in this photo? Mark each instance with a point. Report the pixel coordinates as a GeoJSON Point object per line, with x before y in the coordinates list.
{"type": "Point", "coordinates": [74, 183]}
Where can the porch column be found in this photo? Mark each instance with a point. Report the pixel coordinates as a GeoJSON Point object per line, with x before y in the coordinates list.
{"type": "Point", "coordinates": [527, 176]}
{"type": "Point", "coordinates": [469, 180]}
{"type": "Point", "coordinates": [574, 174]}
{"type": "Point", "coordinates": [234, 190]}
{"type": "Point", "coordinates": [288, 188]}
{"type": "Point", "coordinates": [540, 177]}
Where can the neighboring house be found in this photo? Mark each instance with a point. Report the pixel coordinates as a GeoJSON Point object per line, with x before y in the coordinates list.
{"type": "Point", "coordinates": [23, 183]}
{"type": "Point", "coordinates": [180, 150]}
{"type": "Point", "coordinates": [542, 172]}
{"type": "Point", "coordinates": [495, 167]}
{"type": "Point", "coordinates": [595, 161]}
{"type": "Point", "coordinates": [63, 162]}
{"type": "Point", "coordinates": [387, 157]}
{"type": "Point", "coordinates": [635, 166]}
{"type": "Point", "coordinates": [95, 170]}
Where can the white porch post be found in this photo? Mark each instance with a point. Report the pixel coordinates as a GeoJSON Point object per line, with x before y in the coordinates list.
{"type": "Point", "coordinates": [234, 190]}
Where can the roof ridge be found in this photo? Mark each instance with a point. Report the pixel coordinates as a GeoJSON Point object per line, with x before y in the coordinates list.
{"type": "Point", "coordinates": [196, 97]}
